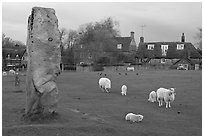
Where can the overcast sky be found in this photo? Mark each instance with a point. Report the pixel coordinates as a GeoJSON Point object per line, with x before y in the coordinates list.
{"type": "Point", "coordinates": [163, 21]}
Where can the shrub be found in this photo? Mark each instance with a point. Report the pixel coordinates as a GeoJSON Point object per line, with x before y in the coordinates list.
{"type": "Point", "coordinates": [98, 67]}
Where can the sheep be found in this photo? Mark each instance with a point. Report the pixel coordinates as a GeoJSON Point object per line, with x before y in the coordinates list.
{"type": "Point", "coordinates": [152, 96]}
{"type": "Point", "coordinates": [105, 84]}
{"type": "Point", "coordinates": [168, 95]}
{"type": "Point", "coordinates": [127, 117]}
{"type": "Point", "coordinates": [130, 69]}
{"type": "Point", "coordinates": [4, 73]}
{"type": "Point", "coordinates": [133, 117]}
{"type": "Point", "coordinates": [12, 72]}
{"type": "Point", "coordinates": [124, 90]}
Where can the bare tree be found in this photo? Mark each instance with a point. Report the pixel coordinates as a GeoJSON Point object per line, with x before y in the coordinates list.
{"type": "Point", "coordinates": [198, 38]}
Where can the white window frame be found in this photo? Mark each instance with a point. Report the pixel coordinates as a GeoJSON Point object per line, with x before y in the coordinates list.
{"type": "Point", "coordinates": [164, 49]}
{"type": "Point", "coordinates": [150, 46]}
{"type": "Point", "coordinates": [180, 46]}
{"type": "Point", "coordinates": [119, 46]}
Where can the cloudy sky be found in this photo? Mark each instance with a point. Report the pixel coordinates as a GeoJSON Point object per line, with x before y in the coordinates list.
{"type": "Point", "coordinates": [163, 21]}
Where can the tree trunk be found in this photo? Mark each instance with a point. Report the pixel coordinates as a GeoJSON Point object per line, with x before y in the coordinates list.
{"type": "Point", "coordinates": [43, 48]}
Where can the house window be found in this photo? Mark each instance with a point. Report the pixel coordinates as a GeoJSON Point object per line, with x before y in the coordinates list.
{"type": "Point", "coordinates": [163, 60]}
{"type": "Point", "coordinates": [119, 46]}
{"type": "Point", "coordinates": [164, 49]}
{"type": "Point", "coordinates": [17, 56]}
{"type": "Point", "coordinates": [150, 46]}
{"type": "Point", "coordinates": [8, 56]}
{"type": "Point", "coordinates": [180, 46]}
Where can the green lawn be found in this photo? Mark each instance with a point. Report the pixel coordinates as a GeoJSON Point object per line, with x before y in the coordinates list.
{"type": "Point", "coordinates": [85, 110]}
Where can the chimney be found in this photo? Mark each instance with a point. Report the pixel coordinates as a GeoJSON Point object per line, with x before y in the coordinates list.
{"type": "Point", "coordinates": [132, 35]}
{"type": "Point", "coordinates": [183, 38]}
{"type": "Point", "coordinates": [133, 46]}
{"type": "Point", "coordinates": [141, 39]}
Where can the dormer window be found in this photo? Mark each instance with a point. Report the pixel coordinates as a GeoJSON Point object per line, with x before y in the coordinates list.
{"type": "Point", "coordinates": [180, 46]}
{"type": "Point", "coordinates": [119, 46]}
{"type": "Point", "coordinates": [150, 46]}
{"type": "Point", "coordinates": [164, 49]}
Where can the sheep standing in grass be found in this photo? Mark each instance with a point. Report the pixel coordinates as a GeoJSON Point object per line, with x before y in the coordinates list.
{"type": "Point", "coordinates": [152, 97]}
{"type": "Point", "coordinates": [168, 95]}
{"type": "Point", "coordinates": [105, 84]}
{"type": "Point", "coordinates": [12, 72]}
{"type": "Point", "coordinates": [124, 90]}
{"type": "Point", "coordinates": [4, 73]}
{"type": "Point", "coordinates": [133, 117]}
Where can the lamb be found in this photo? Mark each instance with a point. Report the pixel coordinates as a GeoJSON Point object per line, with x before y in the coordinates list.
{"type": "Point", "coordinates": [152, 96]}
{"type": "Point", "coordinates": [4, 73]}
{"type": "Point", "coordinates": [168, 95]}
{"type": "Point", "coordinates": [124, 90]}
{"type": "Point", "coordinates": [133, 117]}
{"type": "Point", "coordinates": [105, 84]}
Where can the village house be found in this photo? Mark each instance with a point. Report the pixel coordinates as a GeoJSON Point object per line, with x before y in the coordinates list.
{"type": "Point", "coordinates": [170, 54]}
{"type": "Point", "coordinates": [122, 45]}
{"type": "Point", "coordinates": [12, 57]}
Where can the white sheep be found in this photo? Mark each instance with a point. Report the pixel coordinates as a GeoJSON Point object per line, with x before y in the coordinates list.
{"type": "Point", "coordinates": [124, 90]}
{"type": "Point", "coordinates": [152, 96]}
{"type": "Point", "coordinates": [105, 84]}
{"type": "Point", "coordinates": [133, 117]}
{"type": "Point", "coordinates": [4, 73]}
{"type": "Point", "coordinates": [130, 69]}
{"type": "Point", "coordinates": [12, 72]}
{"type": "Point", "coordinates": [168, 95]}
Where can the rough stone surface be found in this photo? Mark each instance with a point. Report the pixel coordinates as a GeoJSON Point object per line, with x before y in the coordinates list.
{"type": "Point", "coordinates": [43, 48]}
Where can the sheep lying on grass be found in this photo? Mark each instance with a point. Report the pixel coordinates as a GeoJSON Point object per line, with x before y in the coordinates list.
{"type": "Point", "coordinates": [124, 90]}
{"type": "Point", "coordinates": [105, 84]}
{"type": "Point", "coordinates": [133, 117]}
{"type": "Point", "coordinates": [152, 97]}
{"type": "Point", "coordinates": [168, 95]}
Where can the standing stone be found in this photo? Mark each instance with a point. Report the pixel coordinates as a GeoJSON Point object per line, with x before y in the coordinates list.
{"type": "Point", "coordinates": [43, 48]}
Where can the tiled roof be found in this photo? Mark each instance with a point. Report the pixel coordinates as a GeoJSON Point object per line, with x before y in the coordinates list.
{"type": "Point", "coordinates": [172, 51]}
{"type": "Point", "coordinates": [125, 41]}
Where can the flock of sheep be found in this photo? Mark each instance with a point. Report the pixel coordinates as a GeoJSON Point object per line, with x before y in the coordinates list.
{"type": "Point", "coordinates": [162, 94]}
{"type": "Point", "coordinates": [11, 72]}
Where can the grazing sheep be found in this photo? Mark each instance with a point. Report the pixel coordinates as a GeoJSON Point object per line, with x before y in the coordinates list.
{"type": "Point", "coordinates": [4, 73]}
{"type": "Point", "coordinates": [12, 72]}
{"type": "Point", "coordinates": [130, 69]}
{"type": "Point", "coordinates": [105, 84]}
{"type": "Point", "coordinates": [168, 95]}
{"type": "Point", "coordinates": [152, 97]}
{"type": "Point", "coordinates": [124, 90]}
{"type": "Point", "coordinates": [133, 117]}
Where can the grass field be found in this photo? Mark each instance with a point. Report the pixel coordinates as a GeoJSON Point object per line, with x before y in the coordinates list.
{"type": "Point", "coordinates": [85, 110]}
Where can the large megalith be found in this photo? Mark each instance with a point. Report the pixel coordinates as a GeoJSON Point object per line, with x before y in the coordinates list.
{"type": "Point", "coordinates": [43, 48]}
